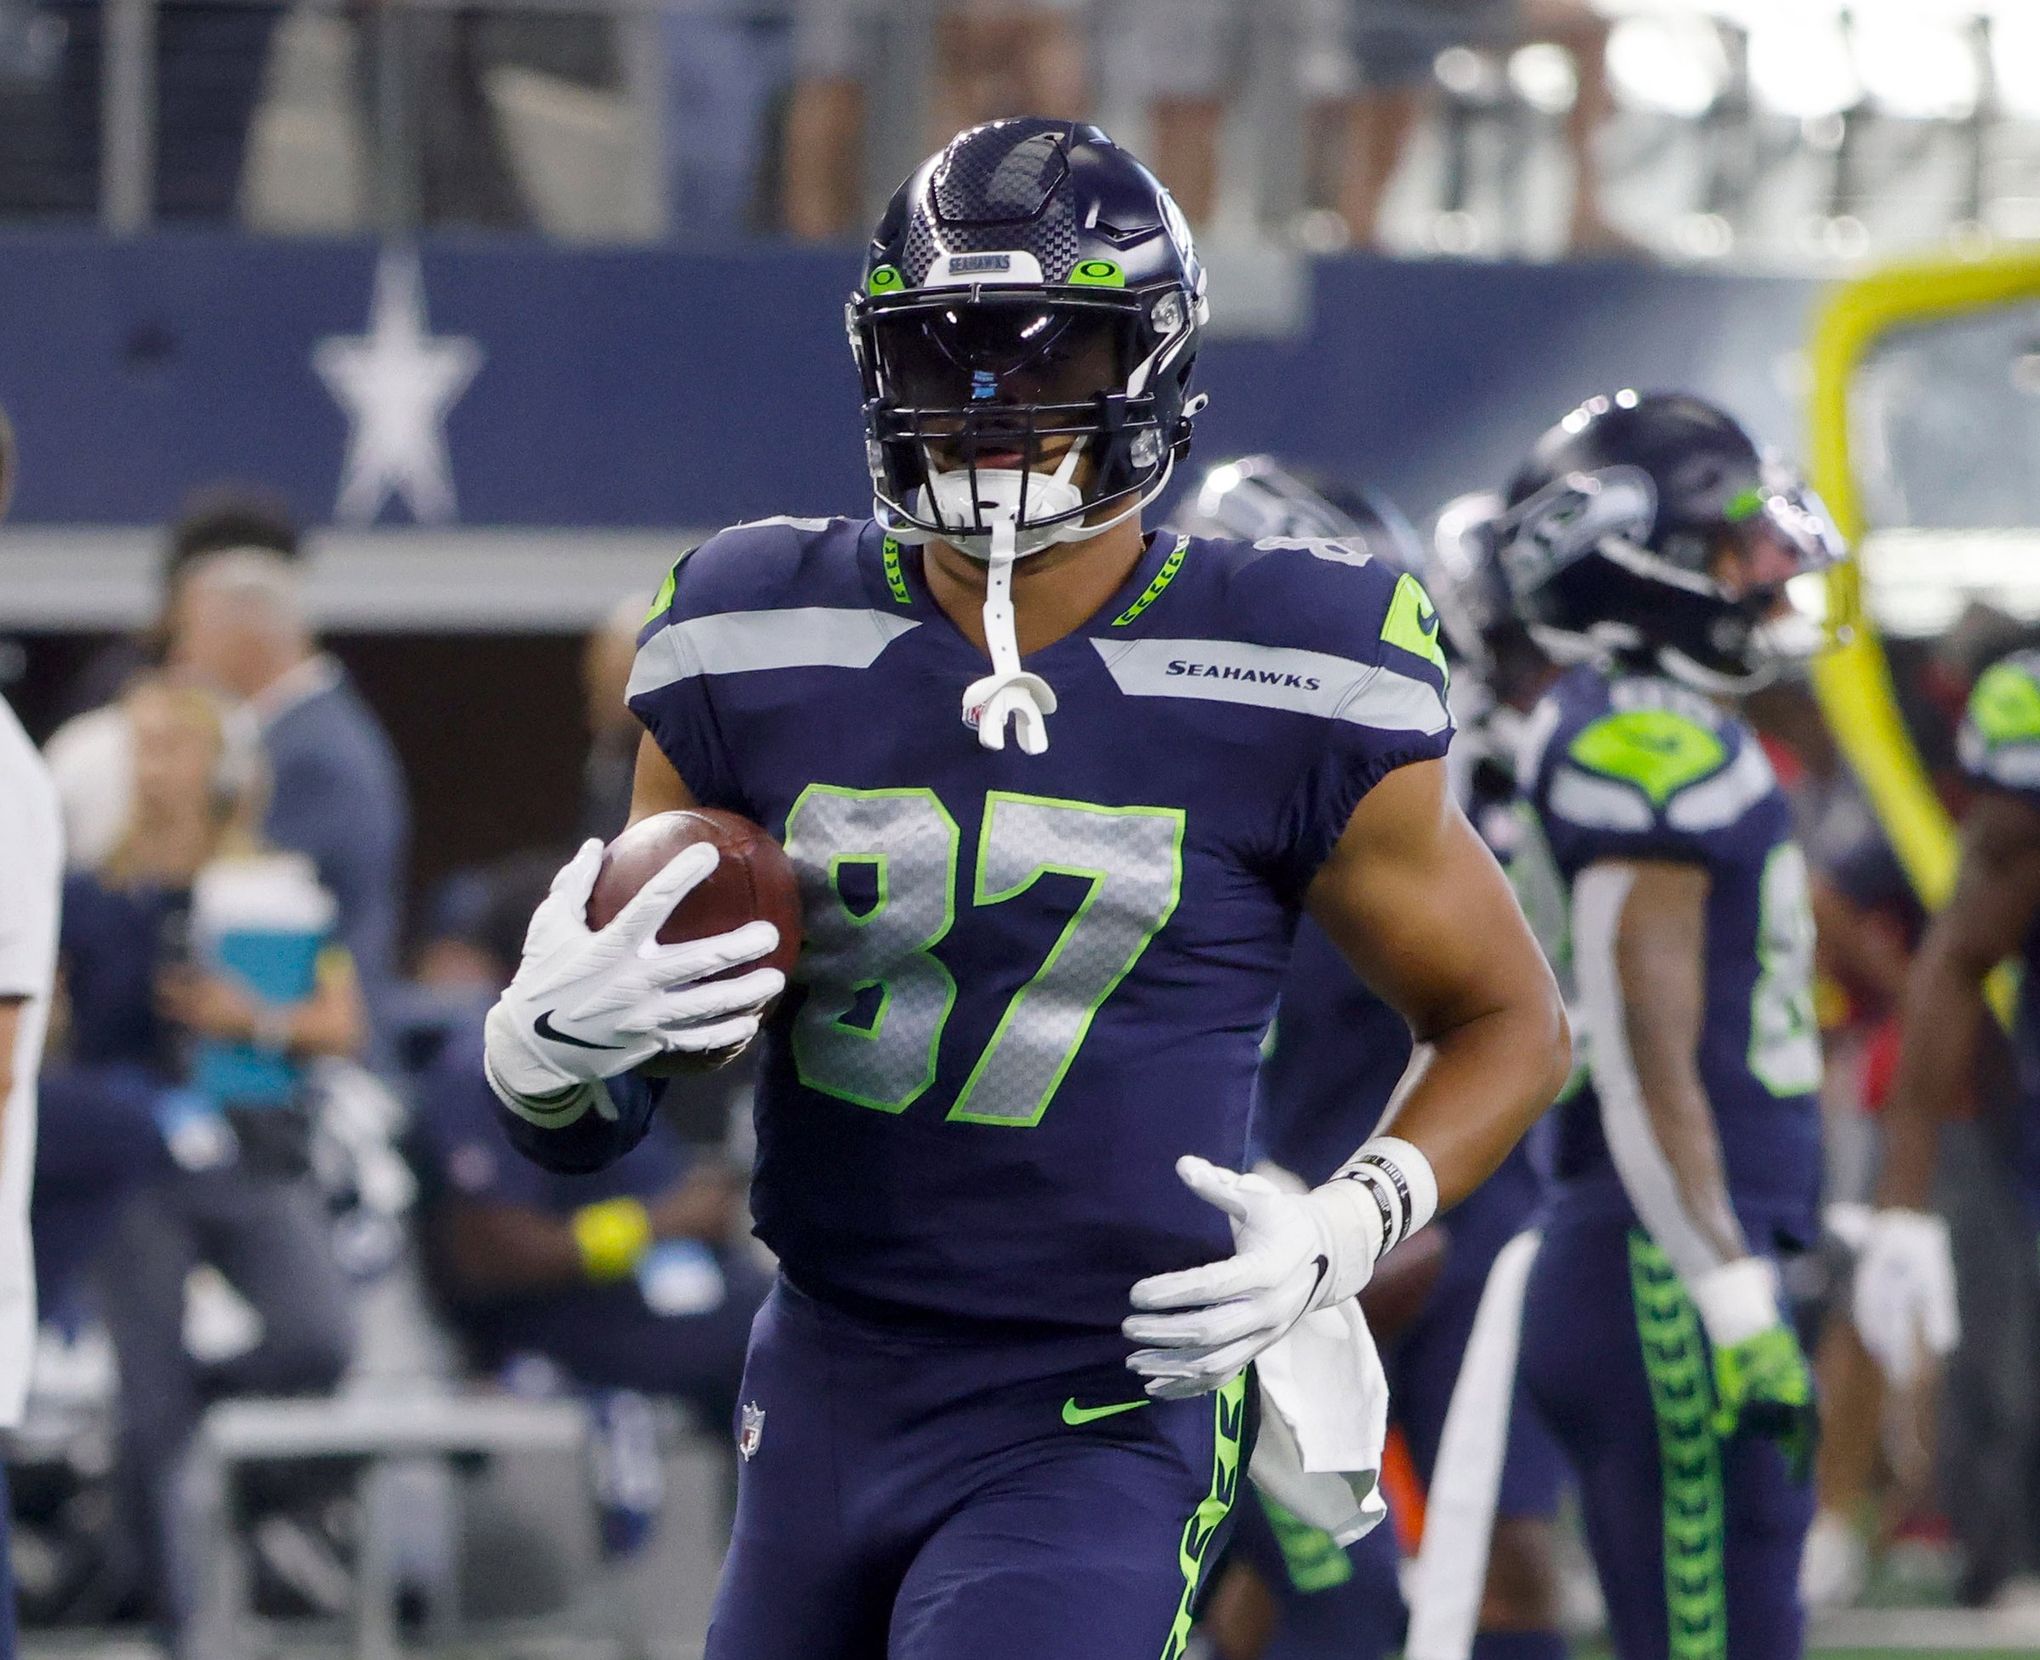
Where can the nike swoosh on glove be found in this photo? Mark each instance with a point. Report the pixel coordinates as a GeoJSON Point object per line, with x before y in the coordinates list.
{"type": "Point", "coordinates": [1292, 1253]}
{"type": "Point", "coordinates": [587, 1005]}
{"type": "Point", "coordinates": [1904, 1304]}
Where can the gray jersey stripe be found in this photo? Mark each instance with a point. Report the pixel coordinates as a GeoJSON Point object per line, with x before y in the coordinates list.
{"type": "Point", "coordinates": [1276, 677]}
{"type": "Point", "coordinates": [738, 642]}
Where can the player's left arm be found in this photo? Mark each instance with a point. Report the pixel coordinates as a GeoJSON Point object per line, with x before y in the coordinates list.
{"type": "Point", "coordinates": [1419, 906]}
{"type": "Point", "coordinates": [1416, 903]}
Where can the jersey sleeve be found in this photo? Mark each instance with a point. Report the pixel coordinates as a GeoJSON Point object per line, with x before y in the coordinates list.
{"type": "Point", "coordinates": [1999, 741]}
{"type": "Point", "coordinates": [669, 690]}
{"type": "Point", "coordinates": [1651, 784]}
{"type": "Point", "coordinates": [1375, 635]}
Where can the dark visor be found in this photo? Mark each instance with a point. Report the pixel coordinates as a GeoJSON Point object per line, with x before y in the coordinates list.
{"type": "Point", "coordinates": [1018, 351]}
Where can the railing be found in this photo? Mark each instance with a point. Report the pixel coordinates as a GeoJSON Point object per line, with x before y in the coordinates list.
{"type": "Point", "coordinates": [1780, 131]}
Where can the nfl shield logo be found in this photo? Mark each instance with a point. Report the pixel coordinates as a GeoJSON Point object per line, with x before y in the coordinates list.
{"type": "Point", "coordinates": [752, 1430]}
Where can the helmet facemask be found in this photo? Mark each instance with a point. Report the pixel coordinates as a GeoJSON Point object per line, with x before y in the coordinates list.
{"type": "Point", "coordinates": [1056, 412]}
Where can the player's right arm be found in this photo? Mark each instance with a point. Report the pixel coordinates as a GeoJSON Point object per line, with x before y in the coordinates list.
{"type": "Point", "coordinates": [1986, 920]}
{"type": "Point", "coordinates": [1642, 967]}
{"type": "Point", "coordinates": [1904, 1299]}
{"type": "Point", "coordinates": [588, 1008]}
{"type": "Point", "coordinates": [656, 786]}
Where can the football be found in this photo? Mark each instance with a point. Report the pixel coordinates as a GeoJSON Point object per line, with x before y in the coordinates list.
{"type": "Point", "coordinates": [754, 882]}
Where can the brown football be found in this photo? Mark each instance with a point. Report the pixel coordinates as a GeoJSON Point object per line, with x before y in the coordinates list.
{"type": "Point", "coordinates": [754, 882]}
{"type": "Point", "coordinates": [1403, 1281]}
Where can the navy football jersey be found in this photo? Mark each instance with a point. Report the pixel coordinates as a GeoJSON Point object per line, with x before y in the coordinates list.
{"type": "Point", "coordinates": [1029, 983]}
{"type": "Point", "coordinates": [1640, 768]}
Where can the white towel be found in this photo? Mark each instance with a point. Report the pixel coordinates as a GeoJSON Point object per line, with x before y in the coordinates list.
{"type": "Point", "coordinates": [1324, 1421]}
{"type": "Point", "coordinates": [1450, 1577]}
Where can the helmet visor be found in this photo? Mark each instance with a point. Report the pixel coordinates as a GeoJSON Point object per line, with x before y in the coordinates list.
{"type": "Point", "coordinates": [1013, 351]}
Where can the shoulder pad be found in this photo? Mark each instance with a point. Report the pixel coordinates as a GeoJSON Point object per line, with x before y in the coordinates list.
{"type": "Point", "coordinates": [747, 567]}
{"type": "Point", "coordinates": [1336, 598]}
{"type": "Point", "coordinates": [2004, 707]}
{"type": "Point", "coordinates": [2000, 736]}
{"type": "Point", "coordinates": [1697, 775]}
{"type": "Point", "coordinates": [1655, 750]}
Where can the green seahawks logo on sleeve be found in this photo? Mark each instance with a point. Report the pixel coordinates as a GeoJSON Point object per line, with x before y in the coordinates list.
{"type": "Point", "coordinates": [663, 598]}
{"type": "Point", "coordinates": [1658, 751]}
{"type": "Point", "coordinates": [2005, 707]}
{"type": "Point", "coordinates": [2000, 739]}
{"type": "Point", "coordinates": [1412, 624]}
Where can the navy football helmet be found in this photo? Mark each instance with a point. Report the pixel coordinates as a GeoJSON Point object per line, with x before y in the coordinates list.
{"type": "Point", "coordinates": [1464, 576]}
{"type": "Point", "coordinates": [1653, 528]}
{"type": "Point", "coordinates": [1257, 497]}
{"type": "Point", "coordinates": [1030, 311]}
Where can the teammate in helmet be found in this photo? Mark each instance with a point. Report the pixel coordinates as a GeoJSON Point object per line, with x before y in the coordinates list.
{"type": "Point", "coordinates": [1001, 1116]}
{"type": "Point", "coordinates": [1334, 1057]}
{"type": "Point", "coordinates": [1649, 540]}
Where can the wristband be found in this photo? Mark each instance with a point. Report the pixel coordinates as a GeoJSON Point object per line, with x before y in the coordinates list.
{"type": "Point", "coordinates": [613, 1237]}
{"type": "Point", "coordinates": [1404, 1186]}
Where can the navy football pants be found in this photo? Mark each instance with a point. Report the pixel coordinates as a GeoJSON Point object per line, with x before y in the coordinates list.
{"type": "Point", "coordinates": [912, 1495]}
{"type": "Point", "coordinates": [1696, 1540]}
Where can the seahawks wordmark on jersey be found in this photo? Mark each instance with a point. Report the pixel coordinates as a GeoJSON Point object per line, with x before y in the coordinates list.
{"type": "Point", "coordinates": [1030, 983]}
{"type": "Point", "coordinates": [1640, 768]}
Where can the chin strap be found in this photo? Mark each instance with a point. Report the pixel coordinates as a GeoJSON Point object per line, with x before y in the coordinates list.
{"type": "Point", "coordinates": [1008, 692]}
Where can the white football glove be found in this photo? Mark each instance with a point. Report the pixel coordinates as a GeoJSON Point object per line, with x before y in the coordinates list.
{"type": "Point", "coordinates": [587, 1005]}
{"type": "Point", "coordinates": [1904, 1302]}
{"type": "Point", "coordinates": [1293, 1252]}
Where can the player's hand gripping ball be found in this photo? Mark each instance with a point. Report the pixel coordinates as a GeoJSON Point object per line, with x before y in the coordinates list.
{"type": "Point", "coordinates": [752, 880]}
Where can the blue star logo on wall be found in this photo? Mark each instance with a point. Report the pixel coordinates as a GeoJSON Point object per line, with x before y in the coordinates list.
{"type": "Point", "coordinates": [397, 384]}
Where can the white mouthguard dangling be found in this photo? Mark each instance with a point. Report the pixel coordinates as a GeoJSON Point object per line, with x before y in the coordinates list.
{"type": "Point", "coordinates": [1009, 692]}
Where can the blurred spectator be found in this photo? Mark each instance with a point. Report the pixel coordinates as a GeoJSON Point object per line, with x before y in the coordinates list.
{"type": "Point", "coordinates": [90, 752]}
{"type": "Point", "coordinates": [996, 58]}
{"type": "Point", "coordinates": [993, 58]}
{"type": "Point", "coordinates": [727, 64]}
{"type": "Point", "coordinates": [209, 60]}
{"type": "Point", "coordinates": [1189, 59]}
{"type": "Point", "coordinates": [631, 1279]}
{"type": "Point", "coordinates": [31, 868]}
{"type": "Point", "coordinates": [206, 966]}
{"type": "Point", "coordinates": [1395, 43]}
{"type": "Point", "coordinates": [613, 731]}
{"type": "Point", "coordinates": [337, 794]}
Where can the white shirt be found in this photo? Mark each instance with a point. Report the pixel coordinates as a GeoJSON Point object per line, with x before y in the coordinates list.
{"type": "Point", "coordinates": [31, 879]}
{"type": "Point", "coordinates": [92, 758]}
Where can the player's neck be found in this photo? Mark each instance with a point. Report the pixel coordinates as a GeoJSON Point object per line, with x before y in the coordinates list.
{"type": "Point", "coordinates": [1055, 591]}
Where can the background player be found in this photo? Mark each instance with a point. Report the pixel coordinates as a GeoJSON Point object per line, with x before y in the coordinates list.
{"type": "Point", "coordinates": [1035, 977]}
{"type": "Point", "coordinates": [1334, 1057]}
{"type": "Point", "coordinates": [1649, 536]}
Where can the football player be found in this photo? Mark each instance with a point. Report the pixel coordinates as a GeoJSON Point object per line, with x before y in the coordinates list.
{"type": "Point", "coordinates": [1057, 791]}
{"type": "Point", "coordinates": [1649, 540]}
{"type": "Point", "coordinates": [1334, 1057]}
